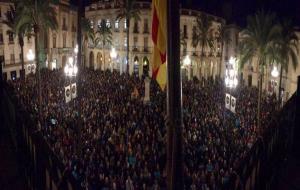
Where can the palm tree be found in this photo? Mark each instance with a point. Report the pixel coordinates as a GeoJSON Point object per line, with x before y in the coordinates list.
{"type": "Point", "coordinates": [128, 11]}
{"type": "Point", "coordinates": [87, 33]}
{"type": "Point", "coordinates": [258, 41]}
{"type": "Point", "coordinates": [41, 16]}
{"type": "Point", "coordinates": [11, 19]}
{"type": "Point", "coordinates": [202, 34]}
{"type": "Point", "coordinates": [103, 36]}
{"type": "Point", "coordinates": [286, 50]}
{"type": "Point", "coordinates": [222, 38]}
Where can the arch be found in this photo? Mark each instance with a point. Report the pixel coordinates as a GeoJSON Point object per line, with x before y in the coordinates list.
{"type": "Point", "coordinates": [99, 60]}
{"type": "Point", "coordinates": [146, 66]}
{"type": "Point", "coordinates": [64, 61]}
{"type": "Point", "coordinates": [92, 60]}
{"type": "Point", "coordinates": [136, 65]}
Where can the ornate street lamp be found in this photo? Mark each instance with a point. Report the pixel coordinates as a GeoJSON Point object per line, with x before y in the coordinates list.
{"type": "Point", "coordinates": [113, 55]}
{"type": "Point", "coordinates": [231, 73]}
{"type": "Point", "coordinates": [275, 72]}
{"type": "Point", "coordinates": [30, 56]}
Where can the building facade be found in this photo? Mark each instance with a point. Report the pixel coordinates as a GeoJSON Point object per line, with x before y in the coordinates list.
{"type": "Point", "coordinates": [58, 45]}
{"type": "Point", "coordinates": [141, 45]}
{"type": "Point", "coordinates": [250, 72]}
{"type": "Point", "coordinates": [10, 51]}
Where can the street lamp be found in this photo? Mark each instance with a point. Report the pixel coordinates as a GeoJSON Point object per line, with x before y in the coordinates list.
{"type": "Point", "coordinates": [231, 80]}
{"type": "Point", "coordinates": [113, 55]}
{"type": "Point", "coordinates": [187, 64]}
{"type": "Point", "coordinates": [275, 72]}
{"type": "Point", "coordinates": [71, 69]}
{"type": "Point", "coordinates": [30, 56]}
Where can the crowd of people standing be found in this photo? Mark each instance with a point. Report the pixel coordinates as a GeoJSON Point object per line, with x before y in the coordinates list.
{"type": "Point", "coordinates": [109, 138]}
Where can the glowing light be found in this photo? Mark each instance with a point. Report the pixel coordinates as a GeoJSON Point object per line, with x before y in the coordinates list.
{"type": "Point", "coordinates": [30, 55]}
{"type": "Point", "coordinates": [113, 53]}
{"type": "Point", "coordinates": [275, 72]}
{"type": "Point", "coordinates": [187, 61]}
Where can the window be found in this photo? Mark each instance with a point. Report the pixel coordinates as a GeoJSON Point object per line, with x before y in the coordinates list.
{"type": "Point", "coordinates": [64, 40]}
{"type": "Point", "coordinates": [12, 58]}
{"type": "Point", "coordinates": [136, 27]}
{"type": "Point", "coordinates": [13, 75]}
{"type": "Point", "coordinates": [185, 31]}
{"type": "Point", "coordinates": [11, 37]}
{"type": "Point", "coordinates": [117, 24]}
{"type": "Point", "coordinates": [125, 41]}
{"type": "Point", "coordinates": [146, 44]}
{"type": "Point", "coordinates": [2, 60]}
{"type": "Point", "coordinates": [1, 37]}
{"type": "Point", "coordinates": [64, 27]}
{"type": "Point", "coordinates": [108, 25]}
{"type": "Point", "coordinates": [54, 41]}
{"type": "Point", "coordinates": [146, 27]}
{"type": "Point", "coordinates": [135, 41]}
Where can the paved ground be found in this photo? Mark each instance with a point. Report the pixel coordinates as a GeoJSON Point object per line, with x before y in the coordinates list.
{"type": "Point", "coordinates": [11, 175]}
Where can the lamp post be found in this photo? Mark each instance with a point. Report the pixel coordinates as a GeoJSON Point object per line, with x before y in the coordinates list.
{"type": "Point", "coordinates": [275, 74]}
{"type": "Point", "coordinates": [30, 56]}
{"type": "Point", "coordinates": [113, 55]}
{"type": "Point", "coordinates": [231, 81]}
{"type": "Point", "coordinates": [187, 64]}
{"type": "Point", "coordinates": [70, 71]}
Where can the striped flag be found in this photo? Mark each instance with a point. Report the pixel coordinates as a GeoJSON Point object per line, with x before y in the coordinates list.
{"type": "Point", "coordinates": [159, 37]}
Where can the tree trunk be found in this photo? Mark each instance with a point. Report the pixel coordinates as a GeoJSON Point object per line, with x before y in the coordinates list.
{"type": "Point", "coordinates": [259, 97]}
{"type": "Point", "coordinates": [38, 69]}
{"type": "Point", "coordinates": [127, 33]}
{"type": "Point", "coordinates": [103, 55]}
{"type": "Point", "coordinates": [21, 43]}
{"type": "Point", "coordinates": [221, 59]}
{"type": "Point", "coordinates": [201, 61]}
{"type": "Point", "coordinates": [279, 88]}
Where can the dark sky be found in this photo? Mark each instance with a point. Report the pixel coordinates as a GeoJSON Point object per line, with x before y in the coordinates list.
{"type": "Point", "coordinates": [237, 10]}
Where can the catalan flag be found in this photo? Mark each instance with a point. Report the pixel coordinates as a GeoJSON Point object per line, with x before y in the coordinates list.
{"type": "Point", "coordinates": [159, 37]}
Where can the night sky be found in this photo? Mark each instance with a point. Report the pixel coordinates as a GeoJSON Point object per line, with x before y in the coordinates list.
{"type": "Point", "coordinates": [236, 11]}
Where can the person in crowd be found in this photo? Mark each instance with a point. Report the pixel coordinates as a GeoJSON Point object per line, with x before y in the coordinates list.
{"type": "Point", "coordinates": [108, 138]}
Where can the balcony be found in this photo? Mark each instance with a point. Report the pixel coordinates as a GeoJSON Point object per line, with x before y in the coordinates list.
{"type": "Point", "coordinates": [146, 49]}
{"type": "Point", "coordinates": [62, 50]}
{"type": "Point", "coordinates": [135, 49]}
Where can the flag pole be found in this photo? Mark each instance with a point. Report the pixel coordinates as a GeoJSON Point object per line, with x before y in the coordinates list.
{"type": "Point", "coordinates": [174, 100]}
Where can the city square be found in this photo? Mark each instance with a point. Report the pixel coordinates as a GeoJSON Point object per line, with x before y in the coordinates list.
{"type": "Point", "coordinates": [148, 95]}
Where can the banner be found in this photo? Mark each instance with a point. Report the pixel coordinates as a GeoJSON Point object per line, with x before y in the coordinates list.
{"type": "Point", "coordinates": [233, 104]}
{"type": "Point", "coordinates": [74, 90]}
{"type": "Point", "coordinates": [227, 101]}
{"type": "Point", "coordinates": [68, 94]}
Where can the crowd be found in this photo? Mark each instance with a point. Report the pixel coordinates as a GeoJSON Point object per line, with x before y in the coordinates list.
{"type": "Point", "coordinates": [108, 138]}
